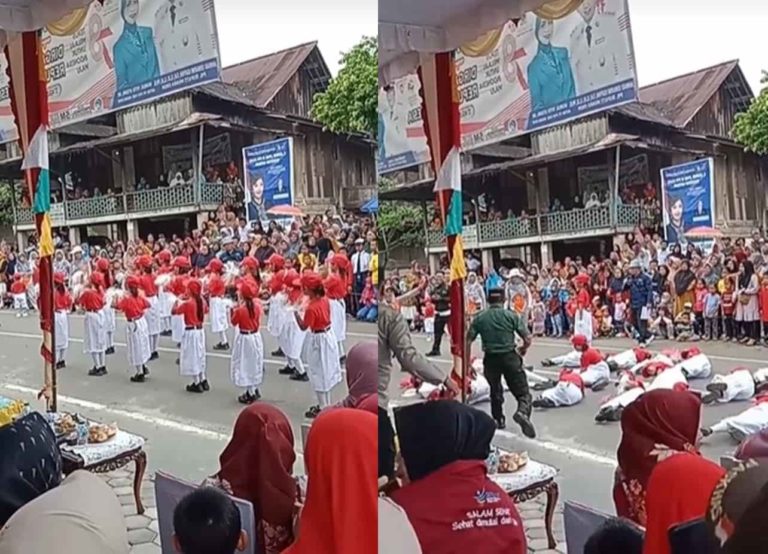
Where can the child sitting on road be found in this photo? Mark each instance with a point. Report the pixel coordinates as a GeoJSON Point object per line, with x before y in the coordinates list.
{"type": "Point", "coordinates": [684, 323]}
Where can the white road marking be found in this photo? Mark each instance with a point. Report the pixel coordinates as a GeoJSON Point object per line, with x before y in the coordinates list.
{"type": "Point", "coordinates": [560, 448]}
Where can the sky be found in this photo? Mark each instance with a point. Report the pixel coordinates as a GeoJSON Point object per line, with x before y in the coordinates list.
{"type": "Point", "coordinates": [673, 37]}
{"type": "Point", "coordinates": [251, 28]}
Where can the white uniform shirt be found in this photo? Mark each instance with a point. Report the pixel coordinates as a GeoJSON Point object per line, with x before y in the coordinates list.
{"type": "Point", "coordinates": [181, 33]}
{"type": "Point", "coordinates": [365, 262]}
{"type": "Point", "coordinates": [597, 55]}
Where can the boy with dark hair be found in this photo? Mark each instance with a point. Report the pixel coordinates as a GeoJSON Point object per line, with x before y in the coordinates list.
{"type": "Point", "coordinates": [206, 521]}
{"type": "Point", "coordinates": [614, 536]}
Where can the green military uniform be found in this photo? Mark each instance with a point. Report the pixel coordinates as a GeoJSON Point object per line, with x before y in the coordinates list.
{"type": "Point", "coordinates": [498, 329]}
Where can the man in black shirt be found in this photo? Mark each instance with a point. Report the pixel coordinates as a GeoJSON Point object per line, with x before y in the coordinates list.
{"type": "Point", "coordinates": [440, 294]}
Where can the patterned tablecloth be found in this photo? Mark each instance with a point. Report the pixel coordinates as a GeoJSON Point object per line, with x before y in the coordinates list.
{"type": "Point", "coordinates": [530, 474]}
{"type": "Point", "coordinates": [94, 454]}
{"type": "Point", "coordinates": [11, 409]}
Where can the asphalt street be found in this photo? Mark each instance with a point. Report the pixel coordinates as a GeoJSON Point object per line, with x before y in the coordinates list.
{"type": "Point", "coordinates": [187, 431]}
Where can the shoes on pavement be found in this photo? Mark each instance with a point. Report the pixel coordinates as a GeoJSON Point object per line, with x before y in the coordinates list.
{"type": "Point", "coordinates": [94, 371]}
{"type": "Point", "coordinates": [109, 351]}
{"type": "Point", "coordinates": [287, 370]}
{"type": "Point", "coordinates": [194, 387]}
{"type": "Point", "coordinates": [600, 384]}
{"type": "Point", "coordinates": [221, 346]}
{"type": "Point", "coordinates": [204, 385]}
{"type": "Point", "coordinates": [717, 388]}
{"type": "Point", "coordinates": [706, 431]}
{"type": "Point", "coordinates": [145, 370]}
{"type": "Point", "coordinates": [299, 377]}
{"type": "Point", "coordinates": [547, 363]}
{"type": "Point", "coordinates": [165, 333]}
{"type": "Point", "coordinates": [710, 398]}
{"type": "Point", "coordinates": [544, 403]}
{"type": "Point", "coordinates": [246, 398]}
{"type": "Point", "coordinates": [544, 385]}
{"type": "Point", "coordinates": [525, 425]}
{"type": "Point", "coordinates": [138, 378]}
{"type": "Point", "coordinates": [433, 353]}
{"type": "Point", "coordinates": [278, 353]}
{"type": "Point", "coordinates": [154, 355]}
{"type": "Point", "coordinates": [312, 413]}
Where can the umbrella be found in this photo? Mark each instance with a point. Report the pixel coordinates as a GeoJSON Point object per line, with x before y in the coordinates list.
{"type": "Point", "coordinates": [703, 232]}
{"type": "Point", "coordinates": [370, 207]}
{"type": "Point", "coordinates": [408, 29]}
{"type": "Point", "coordinates": [285, 210]}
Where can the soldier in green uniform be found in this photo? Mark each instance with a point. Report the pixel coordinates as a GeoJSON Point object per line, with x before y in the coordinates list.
{"type": "Point", "coordinates": [499, 328]}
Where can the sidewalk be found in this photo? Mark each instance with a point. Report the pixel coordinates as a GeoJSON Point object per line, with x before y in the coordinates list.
{"type": "Point", "coordinates": [144, 538]}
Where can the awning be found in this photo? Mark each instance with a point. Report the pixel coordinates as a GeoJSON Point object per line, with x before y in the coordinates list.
{"type": "Point", "coordinates": [371, 206]}
{"type": "Point", "coordinates": [408, 28]}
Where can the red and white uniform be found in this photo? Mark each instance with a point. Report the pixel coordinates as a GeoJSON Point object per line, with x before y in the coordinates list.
{"type": "Point", "coordinates": [277, 304]}
{"type": "Point", "coordinates": [178, 290]}
{"type": "Point", "coordinates": [749, 421]}
{"type": "Point", "coordinates": [247, 361]}
{"type": "Point", "coordinates": [335, 291]}
{"type": "Point", "coordinates": [321, 350]}
{"type": "Point", "coordinates": [219, 304]}
{"type": "Point", "coordinates": [147, 281]}
{"type": "Point", "coordinates": [62, 305]}
{"type": "Point", "coordinates": [136, 330]}
{"type": "Point", "coordinates": [593, 367]}
{"type": "Point", "coordinates": [95, 336]}
{"type": "Point", "coordinates": [697, 366]}
{"type": "Point", "coordinates": [569, 390]}
{"type": "Point", "coordinates": [739, 385]}
{"type": "Point", "coordinates": [629, 358]}
{"type": "Point", "coordinates": [192, 357]}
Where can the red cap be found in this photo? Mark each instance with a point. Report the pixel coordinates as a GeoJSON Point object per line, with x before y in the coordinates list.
{"type": "Point", "coordinates": [102, 264]}
{"type": "Point", "coordinates": [194, 287]}
{"type": "Point", "coordinates": [276, 261]}
{"type": "Point", "coordinates": [581, 279]}
{"type": "Point", "coordinates": [311, 280]}
{"type": "Point", "coordinates": [579, 341]}
{"type": "Point", "coordinates": [143, 262]}
{"type": "Point", "coordinates": [59, 278]}
{"type": "Point", "coordinates": [247, 290]}
{"type": "Point", "coordinates": [290, 275]}
{"type": "Point", "coordinates": [215, 266]}
{"type": "Point", "coordinates": [164, 256]}
{"type": "Point", "coordinates": [181, 262]}
{"type": "Point", "coordinates": [250, 263]}
{"type": "Point", "coordinates": [295, 283]}
{"type": "Point", "coordinates": [97, 279]}
{"type": "Point", "coordinates": [132, 282]}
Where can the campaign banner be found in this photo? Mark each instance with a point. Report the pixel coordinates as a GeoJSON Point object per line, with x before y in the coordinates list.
{"type": "Point", "coordinates": [268, 179]}
{"type": "Point", "coordinates": [401, 139]}
{"type": "Point", "coordinates": [180, 157]}
{"type": "Point", "coordinates": [546, 70]}
{"type": "Point", "coordinates": [688, 198]}
{"type": "Point", "coordinates": [121, 53]}
{"type": "Point", "coordinates": [554, 65]}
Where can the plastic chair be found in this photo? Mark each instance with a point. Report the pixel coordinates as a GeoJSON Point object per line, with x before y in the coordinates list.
{"type": "Point", "coordinates": [169, 490]}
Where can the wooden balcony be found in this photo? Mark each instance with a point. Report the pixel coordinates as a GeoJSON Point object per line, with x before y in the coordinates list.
{"type": "Point", "coordinates": [546, 227]}
{"type": "Point", "coordinates": [131, 205]}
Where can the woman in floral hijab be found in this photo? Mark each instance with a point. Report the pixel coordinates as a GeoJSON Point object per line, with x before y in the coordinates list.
{"type": "Point", "coordinates": [660, 423]}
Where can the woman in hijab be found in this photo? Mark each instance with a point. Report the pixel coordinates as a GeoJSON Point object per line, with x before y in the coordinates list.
{"type": "Point", "coordinates": [493, 280]}
{"type": "Point", "coordinates": [747, 308]}
{"type": "Point", "coordinates": [362, 373]}
{"type": "Point", "coordinates": [475, 294]}
{"type": "Point", "coordinates": [30, 463]}
{"type": "Point", "coordinates": [263, 251]}
{"type": "Point", "coordinates": [340, 512]}
{"type": "Point", "coordinates": [659, 423]}
{"type": "Point", "coordinates": [549, 74]}
{"type": "Point", "coordinates": [257, 465]}
{"type": "Point", "coordinates": [444, 445]}
{"type": "Point", "coordinates": [81, 515]}
{"type": "Point", "coordinates": [678, 492]}
{"type": "Point", "coordinates": [684, 283]}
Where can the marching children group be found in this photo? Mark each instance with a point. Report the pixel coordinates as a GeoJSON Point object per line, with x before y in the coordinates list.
{"type": "Point", "coordinates": [307, 317]}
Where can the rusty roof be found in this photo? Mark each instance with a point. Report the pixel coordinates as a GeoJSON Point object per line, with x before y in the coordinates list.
{"type": "Point", "coordinates": [680, 98]}
{"type": "Point", "coordinates": [263, 77]}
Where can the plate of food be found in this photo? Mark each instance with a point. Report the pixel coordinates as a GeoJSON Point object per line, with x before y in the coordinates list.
{"type": "Point", "coordinates": [101, 432]}
{"type": "Point", "coordinates": [511, 462]}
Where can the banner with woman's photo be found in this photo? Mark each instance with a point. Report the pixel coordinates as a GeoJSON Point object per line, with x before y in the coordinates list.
{"type": "Point", "coordinates": [121, 53]}
{"type": "Point", "coordinates": [267, 179]}
{"type": "Point", "coordinates": [688, 199]}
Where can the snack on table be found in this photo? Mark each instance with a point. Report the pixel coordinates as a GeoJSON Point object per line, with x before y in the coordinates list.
{"type": "Point", "coordinates": [100, 432]}
{"type": "Point", "coordinates": [64, 424]}
{"type": "Point", "coordinates": [513, 461]}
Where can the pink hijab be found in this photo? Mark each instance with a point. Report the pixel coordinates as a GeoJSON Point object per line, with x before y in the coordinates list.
{"type": "Point", "coordinates": [362, 372]}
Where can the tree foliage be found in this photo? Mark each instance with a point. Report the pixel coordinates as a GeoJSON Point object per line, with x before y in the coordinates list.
{"type": "Point", "coordinates": [6, 204]}
{"type": "Point", "coordinates": [400, 223]}
{"type": "Point", "coordinates": [349, 103]}
{"type": "Point", "coordinates": [751, 126]}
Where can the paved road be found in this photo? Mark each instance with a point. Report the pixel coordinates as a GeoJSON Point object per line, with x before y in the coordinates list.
{"type": "Point", "coordinates": [186, 431]}
{"type": "Point", "coordinates": [583, 450]}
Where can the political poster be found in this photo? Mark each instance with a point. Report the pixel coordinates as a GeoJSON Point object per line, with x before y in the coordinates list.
{"type": "Point", "coordinates": [564, 61]}
{"type": "Point", "coordinates": [121, 53]}
{"type": "Point", "coordinates": [401, 138]}
{"type": "Point", "coordinates": [268, 179]}
{"type": "Point", "coordinates": [688, 198]}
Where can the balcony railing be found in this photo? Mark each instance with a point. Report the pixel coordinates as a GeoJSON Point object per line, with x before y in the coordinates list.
{"type": "Point", "coordinates": [570, 222]}
{"type": "Point", "coordinates": [183, 196]}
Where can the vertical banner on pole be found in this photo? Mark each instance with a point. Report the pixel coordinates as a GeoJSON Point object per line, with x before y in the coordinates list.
{"type": "Point", "coordinates": [443, 129]}
{"type": "Point", "coordinates": [29, 101]}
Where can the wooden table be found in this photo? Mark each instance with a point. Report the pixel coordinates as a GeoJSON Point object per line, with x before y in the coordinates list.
{"type": "Point", "coordinates": [133, 452]}
{"type": "Point", "coordinates": [534, 479]}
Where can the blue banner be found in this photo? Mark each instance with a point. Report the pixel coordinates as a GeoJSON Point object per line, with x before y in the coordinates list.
{"type": "Point", "coordinates": [687, 198]}
{"type": "Point", "coordinates": [268, 179]}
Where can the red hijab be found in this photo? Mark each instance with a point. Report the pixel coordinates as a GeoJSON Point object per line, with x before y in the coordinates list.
{"type": "Point", "coordinates": [340, 513]}
{"type": "Point", "coordinates": [679, 490]}
{"type": "Point", "coordinates": [258, 464]}
{"type": "Point", "coordinates": [659, 422]}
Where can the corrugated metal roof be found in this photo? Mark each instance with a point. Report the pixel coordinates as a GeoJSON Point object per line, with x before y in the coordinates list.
{"type": "Point", "coordinates": [262, 78]}
{"type": "Point", "coordinates": [88, 130]}
{"type": "Point", "coordinates": [679, 99]}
